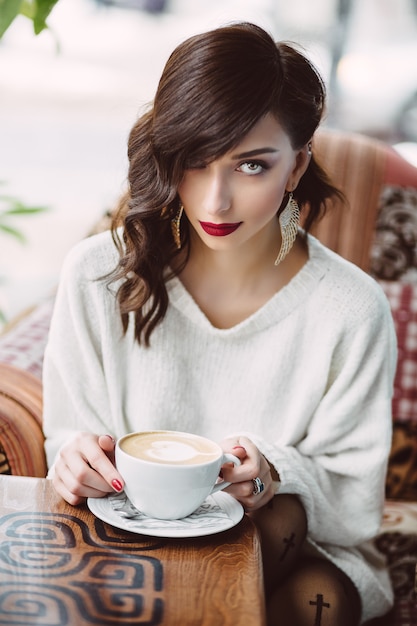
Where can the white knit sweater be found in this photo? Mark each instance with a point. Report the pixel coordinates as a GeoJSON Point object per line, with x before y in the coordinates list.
{"type": "Point", "coordinates": [308, 378]}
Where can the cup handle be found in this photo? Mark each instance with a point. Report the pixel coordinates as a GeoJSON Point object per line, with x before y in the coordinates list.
{"type": "Point", "coordinates": [227, 458]}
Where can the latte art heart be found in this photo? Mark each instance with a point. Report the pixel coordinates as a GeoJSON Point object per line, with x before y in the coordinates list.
{"type": "Point", "coordinates": [171, 451]}
{"type": "Point", "coordinates": [170, 447]}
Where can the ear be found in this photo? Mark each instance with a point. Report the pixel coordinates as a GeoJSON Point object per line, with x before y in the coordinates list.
{"type": "Point", "coordinates": [302, 161]}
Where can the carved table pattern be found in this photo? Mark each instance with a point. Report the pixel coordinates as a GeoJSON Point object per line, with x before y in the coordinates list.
{"type": "Point", "coordinates": [61, 566]}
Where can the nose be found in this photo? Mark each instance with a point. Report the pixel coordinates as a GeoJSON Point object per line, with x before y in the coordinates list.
{"type": "Point", "coordinates": [217, 196]}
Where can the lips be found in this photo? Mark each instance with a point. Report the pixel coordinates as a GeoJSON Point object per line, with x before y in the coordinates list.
{"type": "Point", "coordinates": [219, 230]}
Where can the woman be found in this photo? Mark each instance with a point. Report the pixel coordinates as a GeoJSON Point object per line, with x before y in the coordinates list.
{"type": "Point", "coordinates": [218, 315]}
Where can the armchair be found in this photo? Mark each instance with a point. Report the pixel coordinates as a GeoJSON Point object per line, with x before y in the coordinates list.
{"type": "Point", "coordinates": [378, 232]}
{"type": "Point", "coordinates": [21, 436]}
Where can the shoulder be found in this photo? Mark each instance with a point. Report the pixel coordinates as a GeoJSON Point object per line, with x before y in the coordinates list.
{"type": "Point", "coordinates": [84, 297]}
{"type": "Point", "coordinates": [92, 258]}
{"type": "Point", "coordinates": [345, 287]}
{"type": "Point", "coordinates": [352, 311]}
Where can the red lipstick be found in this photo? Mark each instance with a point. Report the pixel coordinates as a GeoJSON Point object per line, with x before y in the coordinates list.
{"type": "Point", "coordinates": [219, 230]}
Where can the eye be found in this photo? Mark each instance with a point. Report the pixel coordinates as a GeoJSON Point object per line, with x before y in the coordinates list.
{"type": "Point", "coordinates": [253, 167]}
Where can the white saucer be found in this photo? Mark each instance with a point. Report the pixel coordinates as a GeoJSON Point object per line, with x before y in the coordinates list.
{"type": "Point", "coordinates": [218, 512]}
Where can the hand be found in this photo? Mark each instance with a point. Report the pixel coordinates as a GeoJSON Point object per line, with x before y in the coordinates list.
{"type": "Point", "coordinates": [85, 468]}
{"type": "Point", "coordinates": [254, 465]}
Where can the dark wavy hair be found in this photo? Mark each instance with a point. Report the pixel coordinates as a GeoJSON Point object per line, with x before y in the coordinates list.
{"type": "Point", "coordinates": [214, 88]}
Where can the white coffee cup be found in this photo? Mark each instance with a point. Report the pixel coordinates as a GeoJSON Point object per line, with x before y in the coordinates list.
{"type": "Point", "coordinates": [168, 474]}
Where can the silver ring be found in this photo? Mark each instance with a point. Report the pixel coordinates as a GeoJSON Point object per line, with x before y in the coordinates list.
{"type": "Point", "coordinates": [258, 486]}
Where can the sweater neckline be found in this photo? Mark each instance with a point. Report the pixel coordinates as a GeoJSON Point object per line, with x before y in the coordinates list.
{"type": "Point", "coordinates": [273, 311]}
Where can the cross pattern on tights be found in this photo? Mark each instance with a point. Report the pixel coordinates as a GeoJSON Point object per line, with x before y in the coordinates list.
{"type": "Point", "coordinates": [290, 544]}
{"type": "Point", "coordinates": [320, 605]}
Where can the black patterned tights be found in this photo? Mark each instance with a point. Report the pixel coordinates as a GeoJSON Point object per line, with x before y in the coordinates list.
{"type": "Point", "coordinates": [300, 591]}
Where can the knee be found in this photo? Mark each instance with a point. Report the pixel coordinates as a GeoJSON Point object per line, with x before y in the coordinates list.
{"type": "Point", "coordinates": [289, 517]}
{"type": "Point", "coordinates": [291, 508]}
{"type": "Point", "coordinates": [283, 507]}
{"type": "Point", "coordinates": [316, 592]}
{"type": "Point", "coordinates": [284, 516]}
{"type": "Point", "coordinates": [333, 603]}
{"type": "Point", "coordinates": [282, 525]}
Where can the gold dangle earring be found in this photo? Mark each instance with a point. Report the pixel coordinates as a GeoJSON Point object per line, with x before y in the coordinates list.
{"type": "Point", "coordinates": [175, 226]}
{"type": "Point", "coordinates": [288, 223]}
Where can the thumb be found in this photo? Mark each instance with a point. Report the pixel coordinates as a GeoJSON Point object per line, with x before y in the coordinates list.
{"type": "Point", "coordinates": [107, 444]}
{"type": "Point", "coordinates": [233, 445]}
{"type": "Point", "coordinates": [239, 451]}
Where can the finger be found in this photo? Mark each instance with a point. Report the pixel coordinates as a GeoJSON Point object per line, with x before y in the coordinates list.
{"type": "Point", "coordinates": [64, 492]}
{"type": "Point", "coordinates": [231, 445]}
{"type": "Point", "coordinates": [102, 474]}
{"type": "Point", "coordinates": [250, 447]}
{"type": "Point", "coordinates": [239, 451]}
{"type": "Point", "coordinates": [80, 480]}
{"type": "Point", "coordinates": [254, 503]}
{"type": "Point", "coordinates": [67, 486]}
{"type": "Point", "coordinates": [107, 444]}
{"type": "Point", "coordinates": [77, 496]}
{"type": "Point", "coordinates": [76, 470]}
{"type": "Point", "coordinates": [92, 457]}
{"type": "Point", "coordinates": [250, 467]}
{"type": "Point", "coordinates": [247, 492]}
{"type": "Point", "coordinates": [259, 498]}
{"type": "Point", "coordinates": [244, 493]}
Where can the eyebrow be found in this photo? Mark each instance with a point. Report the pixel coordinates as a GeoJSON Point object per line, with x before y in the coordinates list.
{"type": "Point", "coordinates": [252, 153]}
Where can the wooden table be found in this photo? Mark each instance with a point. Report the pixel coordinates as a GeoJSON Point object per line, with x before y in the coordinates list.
{"type": "Point", "coordinates": [60, 565]}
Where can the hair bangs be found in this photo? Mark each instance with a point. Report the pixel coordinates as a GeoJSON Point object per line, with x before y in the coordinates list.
{"type": "Point", "coordinates": [213, 91]}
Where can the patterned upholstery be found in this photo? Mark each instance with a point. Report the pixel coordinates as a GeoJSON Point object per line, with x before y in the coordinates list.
{"type": "Point", "coordinates": [24, 344]}
{"type": "Point", "coordinates": [378, 232]}
{"type": "Point", "coordinates": [394, 251]}
{"type": "Point", "coordinates": [398, 542]}
{"type": "Point", "coordinates": [402, 474]}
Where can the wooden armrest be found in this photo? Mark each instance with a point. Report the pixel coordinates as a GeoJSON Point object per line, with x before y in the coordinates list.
{"type": "Point", "coordinates": [21, 437]}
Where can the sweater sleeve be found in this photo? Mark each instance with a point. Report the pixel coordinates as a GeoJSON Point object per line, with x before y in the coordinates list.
{"type": "Point", "coordinates": [338, 468]}
{"type": "Point", "coordinates": [75, 390]}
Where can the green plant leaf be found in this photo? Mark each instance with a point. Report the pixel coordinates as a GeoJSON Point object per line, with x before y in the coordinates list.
{"type": "Point", "coordinates": [36, 10]}
{"type": "Point", "coordinates": [10, 230]}
{"type": "Point", "coordinates": [9, 9]}
{"type": "Point", "coordinates": [28, 8]}
{"type": "Point", "coordinates": [21, 209]}
{"type": "Point", "coordinates": [43, 9]}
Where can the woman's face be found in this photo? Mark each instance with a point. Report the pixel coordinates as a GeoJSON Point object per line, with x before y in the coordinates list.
{"type": "Point", "coordinates": [234, 200]}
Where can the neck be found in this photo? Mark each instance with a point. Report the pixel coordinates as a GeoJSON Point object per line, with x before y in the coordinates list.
{"type": "Point", "coordinates": [247, 262]}
{"type": "Point", "coordinates": [247, 269]}
{"type": "Point", "coordinates": [230, 286]}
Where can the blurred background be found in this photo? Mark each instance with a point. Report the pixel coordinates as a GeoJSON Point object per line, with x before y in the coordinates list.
{"type": "Point", "coordinates": [69, 96]}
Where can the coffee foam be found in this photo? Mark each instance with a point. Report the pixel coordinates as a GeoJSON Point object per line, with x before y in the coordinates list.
{"type": "Point", "coordinates": [171, 448]}
{"type": "Point", "coordinates": [171, 451]}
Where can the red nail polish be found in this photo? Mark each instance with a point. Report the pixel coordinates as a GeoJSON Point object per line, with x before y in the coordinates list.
{"type": "Point", "coordinates": [239, 448]}
{"type": "Point", "coordinates": [117, 485]}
